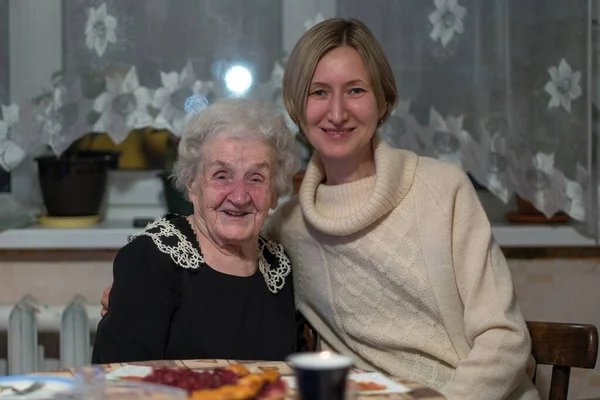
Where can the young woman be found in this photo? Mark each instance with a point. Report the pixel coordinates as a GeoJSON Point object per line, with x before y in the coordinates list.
{"type": "Point", "coordinates": [393, 255]}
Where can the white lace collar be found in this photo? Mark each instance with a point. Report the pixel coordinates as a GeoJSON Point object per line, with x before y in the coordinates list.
{"type": "Point", "coordinates": [187, 255]}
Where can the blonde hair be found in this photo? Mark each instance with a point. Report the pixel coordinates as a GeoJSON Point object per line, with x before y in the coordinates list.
{"type": "Point", "coordinates": [322, 38]}
{"type": "Point", "coordinates": [236, 117]}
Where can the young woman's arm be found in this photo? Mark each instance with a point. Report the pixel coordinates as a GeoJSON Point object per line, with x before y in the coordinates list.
{"type": "Point", "coordinates": [492, 322]}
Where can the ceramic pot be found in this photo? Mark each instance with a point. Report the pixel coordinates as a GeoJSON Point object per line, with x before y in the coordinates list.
{"type": "Point", "coordinates": [73, 185]}
{"type": "Point", "coordinates": [175, 200]}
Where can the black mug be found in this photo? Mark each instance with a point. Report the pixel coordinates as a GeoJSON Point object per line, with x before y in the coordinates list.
{"type": "Point", "coordinates": [320, 376]}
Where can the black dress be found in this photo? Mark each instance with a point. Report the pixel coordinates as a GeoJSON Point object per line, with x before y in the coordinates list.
{"type": "Point", "coordinates": [166, 303]}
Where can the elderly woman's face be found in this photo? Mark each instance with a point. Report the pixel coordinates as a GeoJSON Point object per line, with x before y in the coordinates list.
{"type": "Point", "coordinates": [235, 189]}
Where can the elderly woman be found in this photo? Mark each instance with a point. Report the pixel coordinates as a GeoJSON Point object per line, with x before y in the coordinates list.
{"type": "Point", "coordinates": [209, 285]}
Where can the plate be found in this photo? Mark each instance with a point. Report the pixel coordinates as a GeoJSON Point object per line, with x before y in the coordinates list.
{"type": "Point", "coordinates": [48, 390]}
{"type": "Point", "coordinates": [129, 371]}
{"type": "Point", "coordinates": [375, 377]}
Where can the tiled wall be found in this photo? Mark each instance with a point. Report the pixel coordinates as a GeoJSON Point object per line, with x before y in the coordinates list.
{"type": "Point", "coordinates": [565, 290]}
{"type": "Point", "coordinates": [54, 277]}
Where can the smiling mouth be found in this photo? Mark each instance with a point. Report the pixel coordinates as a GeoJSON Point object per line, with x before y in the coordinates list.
{"type": "Point", "coordinates": [337, 132]}
{"type": "Point", "coordinates": [236, 213]}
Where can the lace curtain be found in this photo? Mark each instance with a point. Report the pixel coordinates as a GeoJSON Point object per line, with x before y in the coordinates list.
{"type": "Point", "coordinates": [4, 177]}
{"type": "Point", "coordinates": [499, 87]}
{"type": "Point", "coordinates": [504, 88]}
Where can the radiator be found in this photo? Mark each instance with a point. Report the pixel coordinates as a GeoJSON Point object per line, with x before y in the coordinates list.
{"type": "Point", "coordinates": [25, 321]}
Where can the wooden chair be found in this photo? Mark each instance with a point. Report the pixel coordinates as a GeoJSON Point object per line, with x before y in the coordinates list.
{"type": "Point", "coordinates": [311, 336]}
{"type": "Point", "coordinates": [564, 346]}
{"type": "Point", "coordinates": [307, 335]}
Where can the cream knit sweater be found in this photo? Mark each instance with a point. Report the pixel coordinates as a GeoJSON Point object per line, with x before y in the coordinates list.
{"type": "Point", "coordinates": [400, 270]}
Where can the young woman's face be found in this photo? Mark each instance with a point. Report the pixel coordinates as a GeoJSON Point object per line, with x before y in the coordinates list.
{"type": "Point", "coordinates": [341, 109]}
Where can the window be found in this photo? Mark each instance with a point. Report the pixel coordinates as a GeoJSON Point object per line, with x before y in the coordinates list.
{"type": "Point", "coordinates": [58, 38]}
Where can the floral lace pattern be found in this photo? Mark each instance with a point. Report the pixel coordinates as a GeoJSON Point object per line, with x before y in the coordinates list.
{"type": "Point", "coordinates": [187, 255]}
{"type": "Point", "coordinates": [275, 278]}
{"type": "Point", "coordinates": [471, 90]}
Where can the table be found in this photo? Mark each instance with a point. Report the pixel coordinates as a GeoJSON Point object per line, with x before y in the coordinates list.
{"type": "Point", "coordinates": [418, 391]}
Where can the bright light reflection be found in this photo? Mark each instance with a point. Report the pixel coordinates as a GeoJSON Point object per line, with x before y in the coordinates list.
{"type": "Point", "coordinates": [238, 79]}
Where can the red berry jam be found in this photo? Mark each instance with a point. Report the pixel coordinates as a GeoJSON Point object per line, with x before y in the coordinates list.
{"type": "Point", "coordinates": [191, 380]}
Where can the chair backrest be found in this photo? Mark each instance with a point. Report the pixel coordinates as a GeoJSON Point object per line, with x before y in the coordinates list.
{"type": "Point", "coordinates": [563, 346]}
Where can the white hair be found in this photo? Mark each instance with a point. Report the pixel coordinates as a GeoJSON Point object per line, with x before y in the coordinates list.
{"type": "Point", "coordinates": [237, 117]}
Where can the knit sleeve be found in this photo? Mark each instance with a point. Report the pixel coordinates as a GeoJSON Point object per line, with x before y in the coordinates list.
{"type": "Point", "coordinates": [494, 327]}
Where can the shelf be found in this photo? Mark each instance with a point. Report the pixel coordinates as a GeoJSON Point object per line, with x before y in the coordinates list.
{"type": "Point", "coordinates": [113, 235]}
{"type": "Point", "coordinates": [106, 235]}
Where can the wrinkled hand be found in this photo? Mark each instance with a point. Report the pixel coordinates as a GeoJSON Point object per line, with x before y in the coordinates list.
{"type": "Point", "coordinates": [104, 300]}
